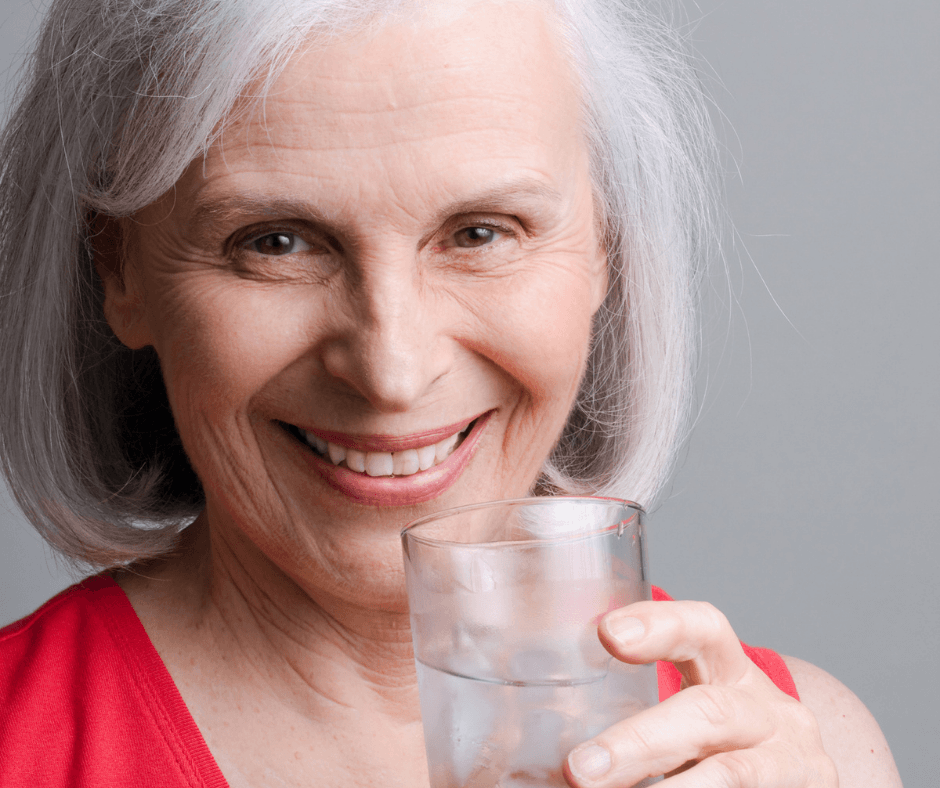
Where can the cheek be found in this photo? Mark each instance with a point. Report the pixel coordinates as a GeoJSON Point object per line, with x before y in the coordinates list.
{"type": "Point", "coordinates": [539, 330]}
{"type": "Point", "coordinates": [219, 343]}
{"type": "Point", "coordinates": [541, 325]}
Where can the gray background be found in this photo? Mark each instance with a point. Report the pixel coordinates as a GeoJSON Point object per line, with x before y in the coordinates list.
{"type": "Point", "coordinates": [806, 507]}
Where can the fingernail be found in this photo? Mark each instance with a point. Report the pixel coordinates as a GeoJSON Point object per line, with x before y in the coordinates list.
{"type": "Point", "coordinates": [626, 630]}
{"type": "Point", "coordinates": [589, 762]}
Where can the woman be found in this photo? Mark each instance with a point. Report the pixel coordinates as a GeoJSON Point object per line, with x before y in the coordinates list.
{"type": "Point", "coordinates": [383, 259]}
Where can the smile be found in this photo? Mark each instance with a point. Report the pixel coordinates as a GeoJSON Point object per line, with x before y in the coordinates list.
{"type": "Point", "coordinates": [387, 470]}
{"type": "Point", "coordinates": [385, 463]}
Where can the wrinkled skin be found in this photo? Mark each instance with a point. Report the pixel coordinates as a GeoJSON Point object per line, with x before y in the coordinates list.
{"type": "Point", "coordinates": [401, 238]}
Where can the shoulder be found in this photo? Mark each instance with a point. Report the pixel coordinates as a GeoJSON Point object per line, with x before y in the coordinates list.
{"type": "Point", "coordinates": [849, 732]}
{"type": "Point", "coordinates": [44, 645]}
{"type": "Point", "coordinates": [41, 670]}
{"type": "Point", "coordinates": [69, 707]}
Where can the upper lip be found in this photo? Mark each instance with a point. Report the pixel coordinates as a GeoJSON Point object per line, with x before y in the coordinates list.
{"type": "Point", "coordinates": [392, 443]}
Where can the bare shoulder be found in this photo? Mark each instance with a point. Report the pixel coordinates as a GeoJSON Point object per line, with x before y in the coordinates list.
{"type": "Point", "coordinates": [849, 732]}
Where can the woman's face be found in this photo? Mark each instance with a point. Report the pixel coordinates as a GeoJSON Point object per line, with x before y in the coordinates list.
{"type": "Point", "coordinates": [397, 250]}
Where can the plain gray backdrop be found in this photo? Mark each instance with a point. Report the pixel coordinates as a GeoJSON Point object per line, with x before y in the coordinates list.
{"type": "Point", "coordinates": [806, 506]}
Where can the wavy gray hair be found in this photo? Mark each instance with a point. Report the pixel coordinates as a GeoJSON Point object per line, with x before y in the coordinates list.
{"type": "Point", "coordinates": [121, 97]}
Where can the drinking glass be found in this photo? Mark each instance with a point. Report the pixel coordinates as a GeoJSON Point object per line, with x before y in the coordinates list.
{"type": "Point", "coordinates": [505, 599]}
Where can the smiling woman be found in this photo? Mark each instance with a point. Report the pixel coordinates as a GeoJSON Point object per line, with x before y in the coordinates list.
{"type": "Point", "coordinates": [313, 281]}
{"type": "Point", "coordinates": [186, 97]}
{"type": "Point", "coordinates": [399, 325]}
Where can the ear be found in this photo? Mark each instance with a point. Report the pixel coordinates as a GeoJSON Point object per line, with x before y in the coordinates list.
{"type": "Point", "coordinates": [123, 302]}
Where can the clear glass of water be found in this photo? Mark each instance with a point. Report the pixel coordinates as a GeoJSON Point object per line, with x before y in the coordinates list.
{"type": "Point", "coordinates": [505, 599]}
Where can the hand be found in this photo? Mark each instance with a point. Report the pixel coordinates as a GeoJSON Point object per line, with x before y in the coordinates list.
{"type": "Point", "coordinates": [730, 727]}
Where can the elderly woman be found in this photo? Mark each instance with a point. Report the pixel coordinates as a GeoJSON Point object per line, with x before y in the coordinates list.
{"type": "Point", "coordinates": [279, 278]}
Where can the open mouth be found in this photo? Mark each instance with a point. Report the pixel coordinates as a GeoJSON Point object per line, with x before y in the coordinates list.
{"type": "Point", "coordinates": [382, 463]}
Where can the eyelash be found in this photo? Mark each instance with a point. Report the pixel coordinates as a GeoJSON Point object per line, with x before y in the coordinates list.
{"type": "Point", "coordinates": [255, 234]}
{"type": "Point", "coordinates": [244, 241]}
{"type": "Point", "coordinates": [503, 230]}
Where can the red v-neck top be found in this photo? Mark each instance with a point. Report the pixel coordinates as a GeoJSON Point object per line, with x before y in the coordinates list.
{"type": "Point", "coordinates": [85, 700]}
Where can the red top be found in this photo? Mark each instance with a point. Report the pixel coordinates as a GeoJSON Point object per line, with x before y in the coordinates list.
{"type": "Point", "coordinates": [85, 700]}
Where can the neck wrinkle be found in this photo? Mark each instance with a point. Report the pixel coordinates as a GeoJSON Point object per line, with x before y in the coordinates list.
{"type": "Point", "coordinates": [348, 657]}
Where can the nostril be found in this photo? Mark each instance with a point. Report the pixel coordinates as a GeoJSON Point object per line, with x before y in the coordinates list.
{"type": "Point", "coordinates": [392, 352]}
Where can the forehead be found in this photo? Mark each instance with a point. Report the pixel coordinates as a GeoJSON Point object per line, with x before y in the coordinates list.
{"type": "Point", "coordinates": [488, 78]}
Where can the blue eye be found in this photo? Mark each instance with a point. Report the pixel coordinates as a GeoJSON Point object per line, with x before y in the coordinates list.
{"type": "Point", "coordinates": [278, 244]}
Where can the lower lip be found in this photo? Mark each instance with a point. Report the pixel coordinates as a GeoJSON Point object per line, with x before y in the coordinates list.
{"type": "Point", "coordinates": [400, 490]}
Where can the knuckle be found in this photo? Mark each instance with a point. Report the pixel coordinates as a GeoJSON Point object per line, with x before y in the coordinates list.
{"type": "Point", "coordinates": [640, 742]}
{"type": "Point", "coordinates": [711, 622]}
{"type": "Point", "coordinates": [806, 749]}
{"type": "Point", "coordinates": [822, 772]}
{"type": "Point", "coordinates": [802, 723]}
{"type": "Point", "coordinates": [717, 705]}
{"type": "Point", "coordinates": [802, 718]}
{"type": "Point", "coordinates": [735, 770]}
{"type": "Point", "coordinates": [828, 773]}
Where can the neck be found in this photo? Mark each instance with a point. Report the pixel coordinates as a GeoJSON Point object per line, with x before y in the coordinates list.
{"type": "Point", "coordinates": [322, 655]}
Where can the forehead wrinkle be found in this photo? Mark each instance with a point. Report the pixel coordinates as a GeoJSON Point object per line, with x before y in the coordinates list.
{"type": "Point", "coordinates": [332, 83]}
{"type": "Point", "coordinates": [468, 136]}
{"type": "Point", "coordinates": [366, 138]}
{"type": "Point", "coordinates": [407, 95]}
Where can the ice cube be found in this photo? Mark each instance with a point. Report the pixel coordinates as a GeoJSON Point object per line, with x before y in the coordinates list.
{"type": "Point", "coordinates": [471, 651]}
{"type": "Point", "coordinates": [472, 722]}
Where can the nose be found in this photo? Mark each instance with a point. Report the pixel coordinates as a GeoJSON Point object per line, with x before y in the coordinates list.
{"type": "Point", "coordinates": [392, 347]}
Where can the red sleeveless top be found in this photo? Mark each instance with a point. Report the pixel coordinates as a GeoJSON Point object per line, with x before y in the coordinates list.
{"type": "Point", "coordinates": [85, 700]}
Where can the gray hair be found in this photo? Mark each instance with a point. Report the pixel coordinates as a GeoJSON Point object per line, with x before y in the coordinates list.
{"type": "Point", "coordinates": [122, 96]}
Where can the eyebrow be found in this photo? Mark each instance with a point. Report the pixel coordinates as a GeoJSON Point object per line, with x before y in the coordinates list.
{"type": "Point", "coordinates": [235, 207]}
{"type": "Point", "coordinates": [520, 193]}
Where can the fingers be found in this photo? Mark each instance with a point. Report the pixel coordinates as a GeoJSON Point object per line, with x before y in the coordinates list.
{"type": "Point", "coordinates": [763, 767]}
{"type": "Point", "coordinates": [694, 724]}
{"type": "Point", "coordinates": [730, 728]}
{"type": "Point", "coordinates": [694, 636]}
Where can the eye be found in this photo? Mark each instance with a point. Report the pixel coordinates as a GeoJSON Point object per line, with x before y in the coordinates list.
{"type": "Point", "coordinates": [277, 244]}
{"type": "Point", "coordinates": [470, 237]}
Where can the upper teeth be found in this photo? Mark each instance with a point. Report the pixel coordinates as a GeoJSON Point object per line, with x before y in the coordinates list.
{"type": "Point", "coordinates": [384, 463]}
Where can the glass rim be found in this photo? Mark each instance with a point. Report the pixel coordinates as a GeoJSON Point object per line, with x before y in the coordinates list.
{"type": "Point", "coordinates": [537, 500]}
